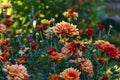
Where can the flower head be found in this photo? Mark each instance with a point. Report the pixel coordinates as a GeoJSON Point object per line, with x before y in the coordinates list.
{"type": "Point", "coordinates": [101, 26]}
{"type": "Point", "coordinates": [4, 56]}
{"type": "Point", "coordinates": [40, 27]}
{"type": "Point", "coordinates": [111, 51]}
{"type": "Point", "coordinates": [5, 41]}
{"type": "Point", "coordinates": [6, 6]}
{"type": "Point", "coordinates": [87, 66]}
{"type": "Point", "coordinates": [90, 32]}
{"type": "Point", "coordinates": [105, 78]}
{"type": "Point", "coordinates": [34, 45]}
{"type": "Point", "coordinates": [9, 22]}
{"type": "Point", "coordinates": [17, 72]}
{"type": "Point", "coordinates": [45, 22]}
{"type": "Point", "coordinates": [30, 38]}
{"type": "Point", "coordinates": [108, 48]}
{"type": "Point", "coordinates": [66, 28]}
{"type": "Point", "coordinates": [101, 43]}
{"type": "Point", "coordinates": [55, 56]}
{"type": "Point", "coordinates": [70, 74]}
{"type": "Point", "coordinates": [19, 31]}
{"type": "Point", "coordinates": [70, 14]}
{"type": "Point", "coordinates": [69, 49]}
{"type": "Point", "coordinates": [2, 28]}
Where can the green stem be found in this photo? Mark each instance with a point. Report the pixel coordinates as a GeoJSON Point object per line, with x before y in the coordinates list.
{"type": "Point", "coordinates": [99, 36]}
{"type": "Point", "coordinates": [41, 36]}
{"type": "Point", "coordinates": [54, 67]}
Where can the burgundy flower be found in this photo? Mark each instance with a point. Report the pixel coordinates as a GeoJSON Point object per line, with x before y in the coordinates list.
{"type": "Point", "coordinates": [111, 51]}
{"type": "Point", "coordinates": [84, 47]}
{"type": "Point", "coordinates": [30, 38]}
{"type": "Point", "coordinates": [7, 15]}
{"type": "Point", "coordinates": [105, 78]}
{"type": "Point", "coordinates": [50, 50]}
{"type": "Point", "coordinates": [34, 45]}
{"type": "Point", "coordinates": [90, 32]}
{"type": "Point", "coordinates": [37, 16]}
{"type": "Point", "coordinates": [40, 27]}
{"type": "Point", "coordinates": [101, 26]}
{"type": "Point", "coordinates": [9, 22]}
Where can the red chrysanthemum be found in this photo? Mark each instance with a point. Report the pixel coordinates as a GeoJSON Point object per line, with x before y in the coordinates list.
{"type": "Point", "coordinates": [29, 38]}
{"type": "Point", "coordinates": [105, 78]}
{"type": "Point", "coordinates": [40, 27]}
{"type": "Point", "coordinates": [55, 56]}
{"type": "Point", "coordinates": [108, 48]}
{"type": "Point", "coordinates": [9, 22]}
{"type": "Point", "coordinates": [34, 45]}
{"type": "Point", "coordinates": [4, 56]}
{"type": "Point", "coordinates": [111, 51]}
{"type": "Point", "coordinates": [101, 26]}
{"type": "Point", "coordinates": [69, 49]}
{"type": "Point", "coordinates": [90, 32]}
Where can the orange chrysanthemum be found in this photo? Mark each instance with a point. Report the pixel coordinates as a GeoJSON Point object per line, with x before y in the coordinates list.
{"type": "Point", "coordinates": [70, 74]}
{"type": "Point", "coordinates": [70, 14]}
{"type": "Point", "coordinates": [87, 66]}
{"type": "Point", "coordinates": [66, 28]}
{"type": "Point", "coordinates": [55, 56]}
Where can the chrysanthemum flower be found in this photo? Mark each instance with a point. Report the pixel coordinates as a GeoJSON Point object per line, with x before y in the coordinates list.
{"type": "Point", "coordinates": [19, 31]}
{"type": "Point", "coordinates": [101, 43]}
{"type": "Point", "coordinates": [55, 56]}
{"type": "Point", "coordinates": [101, 26]}
{"type": "Point", "coordinates": [9, 22]}
{"type": "Point", "coordinates": [87, 66]}
{"type": "Point", "coordinates": [30, 38]}
{"type": "Point", "coordinates": [67, 29]}
{"type": "Point", "coordinates": [6, 6]}
{"type": "Point", "coordinates": [105, 78]}
{"type": "Point", "coordinates": [49, 32]}
{"type": "Point", "coordinates": [4, 56]}
{"type": "Point", "coordinates": [111, 51]}
{"type": "Point", "coordinates": [108, 48]}
{"type": "Point", "coordinates": [70, 74]}
{"type": "Point", "coordinates": [40, 27]}
{"type": "Point", "coordinates": [90, 32]}
{"type": "Point", "coordinates": [70, 14]}
{"type": "Point", "coordinates": [45, 22]}
{"type": "Point", "coordinates": [50, 50]}
{"type": "Point", "coordinates": [2, 28]}
{"type": "Point", "coordinates": [34, 45]}
{"type": "Point", "coordinates": [17, 72]}
{"type": "Point", "coordinates": [69, 49]}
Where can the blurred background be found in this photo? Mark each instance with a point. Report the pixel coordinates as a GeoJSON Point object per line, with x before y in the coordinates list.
{"type": "Point", "coordinates": [91, 13]}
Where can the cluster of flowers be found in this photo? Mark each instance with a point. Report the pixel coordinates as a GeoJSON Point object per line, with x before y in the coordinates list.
{"type": "Point", "coordinates": [108, 48]}
{"type": "Point", "coordinates": [68, 35]}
